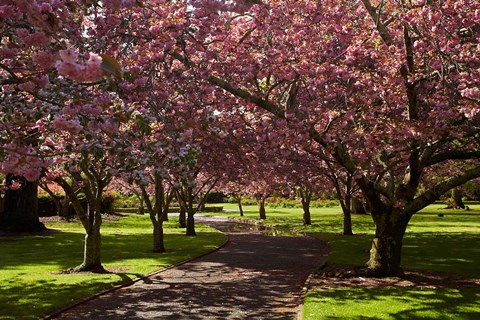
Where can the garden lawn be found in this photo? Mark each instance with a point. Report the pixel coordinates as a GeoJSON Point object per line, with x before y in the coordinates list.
{"type": "Point", "coordinates": [31, 287]}
{"type": "Point", "coordinates": [448, 244]}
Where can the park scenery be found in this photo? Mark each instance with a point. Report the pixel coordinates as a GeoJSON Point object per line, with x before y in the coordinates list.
{"type": "Point", "coordinates": [250, 159]}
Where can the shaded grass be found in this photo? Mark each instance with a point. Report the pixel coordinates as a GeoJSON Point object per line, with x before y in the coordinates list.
{"type": "Point", "coordinates": [447, 244]}
{"type": "Point", "coordinates": [31, 286]}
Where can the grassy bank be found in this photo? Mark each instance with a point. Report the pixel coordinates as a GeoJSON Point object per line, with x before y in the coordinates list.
{"type": "Point", "coordinates": [31, 286]}
{"type": "Point", "coordinates": [447, 244]}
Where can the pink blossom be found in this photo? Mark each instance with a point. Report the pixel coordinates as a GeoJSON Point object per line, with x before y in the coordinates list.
{"type": "Point", "coordinates": [27, 86]}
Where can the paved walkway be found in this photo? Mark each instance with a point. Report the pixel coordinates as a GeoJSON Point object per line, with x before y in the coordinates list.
{"type": "Point", "coordinates": [254, 276]}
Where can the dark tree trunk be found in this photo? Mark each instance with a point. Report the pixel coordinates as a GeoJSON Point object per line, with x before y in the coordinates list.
{"type": "Point", "coordinates": [357, 206]}
{"type": "Point", "coordinates": [182, 217]}
{"type": "Point", "coordinates": [261, 208]}
{"type": "Point", "coordinates": [386, 250]}
{"type": "Point", "coordinates": [262, 212]}
{"type": "Point", "coordinates": [347, 223]}
{"type": "Point", "coordinates": [165, 217]}
{"type": "Point", "coordinates": [347, 216]}
{"type": "Point", "coordinates": [158, 243]}
{"type": "Point", "coordinates": [21, 207]}
{"type": "Point", "coordinates": [190, 224]}
{"type": "Point", "coordinates": [307, 220]}
{"type": "Point", "coordinates": [239, 202]}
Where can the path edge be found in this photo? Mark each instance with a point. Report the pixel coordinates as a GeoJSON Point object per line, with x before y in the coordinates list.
{"type": "Point", "coordinates": [131, 282]}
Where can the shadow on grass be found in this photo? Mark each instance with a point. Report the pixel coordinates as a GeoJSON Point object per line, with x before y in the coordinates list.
{"type": "Point", "coordinates": [29, 266]}
{"type": "Point", "coordinates": [457, 253]}
{"type": "Point", "coordinates": [393, 303]}
{"type": "Point", "coordinates": [34, 299]}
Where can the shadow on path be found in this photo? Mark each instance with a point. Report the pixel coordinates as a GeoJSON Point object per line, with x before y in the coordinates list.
{"type": "Point", "coordinates": [254, 276]}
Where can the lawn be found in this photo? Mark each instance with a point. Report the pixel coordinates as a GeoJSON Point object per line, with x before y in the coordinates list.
{"type": "Point", "coordinates": [31, 286]}
{"type": "Point", "coordinates": [433, 243]}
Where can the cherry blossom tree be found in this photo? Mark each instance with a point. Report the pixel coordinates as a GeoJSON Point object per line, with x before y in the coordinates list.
{"type": "Point", "coordinates": [41, 50]}
{"type": "Point", "coordinates": [385, 118]}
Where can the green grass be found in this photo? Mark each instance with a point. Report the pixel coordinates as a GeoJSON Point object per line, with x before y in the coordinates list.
{"type": "Point", "coordinates": [448, 244]}
{"type": "Point", "coordinates": [392, 303]}
{"type": "Point", "coordinates": [31, 288]}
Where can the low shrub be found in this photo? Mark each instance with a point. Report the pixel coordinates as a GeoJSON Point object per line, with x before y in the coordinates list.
{"type": "Point", "coordinates": [108, 201]}
{"type": "Point", "coordinates": [246, 201]}
{"type": "Point", "coordinates": [46, 206]}
{"type": "Point", "coordinates": [126, 201]}
{"type": "Point", "coordinates": [324, 203]}
{"type": "Point", "coordinates": [214, 197]}
{"type": "Point", "coordinates": [278, 202]}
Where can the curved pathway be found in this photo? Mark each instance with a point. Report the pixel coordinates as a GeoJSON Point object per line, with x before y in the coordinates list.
{"type": "Point", "coordinates": [254, 276]}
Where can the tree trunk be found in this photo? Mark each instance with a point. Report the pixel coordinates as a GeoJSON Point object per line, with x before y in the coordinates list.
{"type": "Point", "coordinates": [261, 208]}
{"type": "Point", "coordinates": [347, 216]}
{"type": "Point", "coordinates": [21, 207]}
{"type": "Point", "coordinates": [182, 217]}
{"type": "Point", "coordinates": [92, 251]}
{"type": "Point", "coordinates": [306, 213]}
{"type": "Point", "coordinates": [457, 199]}
{"type": "Point", "coordinates": [165, 216]}
{"type": "Point", "coordinates": [158, 243]}
{"type": "Point", "coordinates": [357, 206]}
{"type": "Point", "coordinates": [239, 201]}
{"type": "Point", "coordinates": [386, 250]}
{"type": "Point", "coordinates": [190, 224]}
{"type": "Point", "coordinates": [347, 223]}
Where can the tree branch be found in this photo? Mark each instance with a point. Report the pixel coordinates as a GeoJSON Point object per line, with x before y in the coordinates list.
{"type": "Point", "coordinates": [429, 196]}
{"type": "Point", "coordinates": [452, 155]}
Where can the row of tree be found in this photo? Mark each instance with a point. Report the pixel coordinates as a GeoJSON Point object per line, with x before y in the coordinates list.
{"type": "Point", "coordinates": [376, 96]}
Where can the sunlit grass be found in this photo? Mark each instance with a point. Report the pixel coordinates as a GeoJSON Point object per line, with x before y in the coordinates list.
{"type": "Point", "coordinates": [31, 287]}
{"type": "Point", "coordinates": [392, 303]}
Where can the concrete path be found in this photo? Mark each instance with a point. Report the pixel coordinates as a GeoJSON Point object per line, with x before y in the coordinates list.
{"type": "Point", "coordinates": [255, 276]}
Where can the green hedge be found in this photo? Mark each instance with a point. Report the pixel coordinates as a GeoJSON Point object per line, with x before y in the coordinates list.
{"type": "Point", "coordinates": [47, 207]}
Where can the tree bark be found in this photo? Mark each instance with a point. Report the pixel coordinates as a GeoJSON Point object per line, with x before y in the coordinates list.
{"type": "Point", "coordinates": [261, 208]}
{"type": "Point", "coordinates": [190, 224]}
{"type": "Point", "coordinates": [457, 199]}
{"type": "Point", "coordinates": [357, 206]}
{"type": "Point", "coordinates": [307, 220]}
{"type": "Point", "coordinates": [21, 207]}
{"type": "Point", "coordinates": [347, 216]}
{"type": "Point", "coordinates": [386, 250]}
{"type": "Point", "coordinates": [92, 251]}
{"type": "Point", "coordinates": [239, 202]}
{"type": "Point", "coordinates": [158, 243]}
{"type": "Point", "coordinates": [182, 217]}
{"type": "Point", "coordinates": [347, 223]}
{"type": "Point", "coordinates": [91, 220]}
{"type": "Point", "coordinates": [306, 197]}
